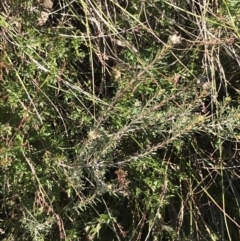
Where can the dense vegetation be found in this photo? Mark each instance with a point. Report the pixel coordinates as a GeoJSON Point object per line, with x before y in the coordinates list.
{"type": "Point", "coordinates": [120, 120]}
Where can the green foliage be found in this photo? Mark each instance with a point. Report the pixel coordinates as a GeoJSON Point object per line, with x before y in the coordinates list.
{"type": "Point", "coordinates": [119, 121]}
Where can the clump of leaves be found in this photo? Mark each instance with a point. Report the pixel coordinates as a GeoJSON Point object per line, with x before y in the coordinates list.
{"type": "Point", "coordinates": [117, 125]}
